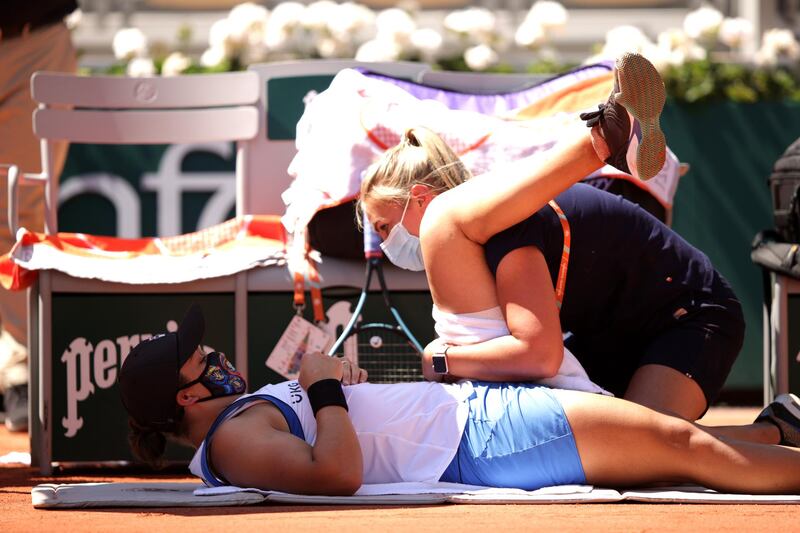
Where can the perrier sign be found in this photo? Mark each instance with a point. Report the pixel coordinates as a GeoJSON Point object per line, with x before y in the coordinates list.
{"type": "Point", "coordinates": [92, 335]}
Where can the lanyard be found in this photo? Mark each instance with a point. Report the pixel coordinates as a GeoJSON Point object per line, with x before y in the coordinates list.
{"type": "Point", "coordinates": [561, 281]}
{"type": "Point", "coordinates": [310, 273]}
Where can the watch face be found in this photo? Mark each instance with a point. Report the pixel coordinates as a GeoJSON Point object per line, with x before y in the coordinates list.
{"type": "Point", "coordinates": [440, 363]}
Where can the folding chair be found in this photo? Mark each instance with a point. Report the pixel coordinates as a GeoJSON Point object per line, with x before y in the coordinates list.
{"type": "Point", "coordinates": [75, 412]}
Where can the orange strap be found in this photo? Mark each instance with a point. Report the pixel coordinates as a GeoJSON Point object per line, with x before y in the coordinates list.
{"type": "Point", "coordinates": [299, 291]}
{"type": "Point", "coordinates": [315, 289]}
{"type": "Point", "coordinates": [316, 292]}
{"type": "Point", "coordinates": [561, 281]}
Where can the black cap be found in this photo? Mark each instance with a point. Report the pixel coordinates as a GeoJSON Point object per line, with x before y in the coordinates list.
{"type": "Point", "coordinates": [148, 379]}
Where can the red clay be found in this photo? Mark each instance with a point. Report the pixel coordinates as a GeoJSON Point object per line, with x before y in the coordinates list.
{"type": "Point", "coordinates": [18, 514]}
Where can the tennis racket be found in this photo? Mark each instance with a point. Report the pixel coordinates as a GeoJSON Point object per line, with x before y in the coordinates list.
{"type": "Point", "coordinates": [388, 352]}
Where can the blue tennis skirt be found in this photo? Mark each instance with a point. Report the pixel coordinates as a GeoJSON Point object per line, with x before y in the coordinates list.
{"type": "Point", "coordinates": [516, 436]}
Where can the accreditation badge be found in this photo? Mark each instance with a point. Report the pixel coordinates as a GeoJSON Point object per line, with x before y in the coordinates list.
{"type": "Point", "coordinates": [299, 338]}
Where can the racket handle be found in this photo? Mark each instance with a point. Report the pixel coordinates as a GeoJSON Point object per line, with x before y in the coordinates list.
{"type": "Point", "coordinates": [372, 241]}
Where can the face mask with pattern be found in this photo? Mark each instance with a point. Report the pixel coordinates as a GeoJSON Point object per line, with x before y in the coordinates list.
{"type": "Point", "coordinates": [220, 378]}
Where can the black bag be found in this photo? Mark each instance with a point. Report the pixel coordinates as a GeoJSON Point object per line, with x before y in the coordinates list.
{"type": "Point", "coordinates": [334, 232]}
{"type": "Point", "coordinates": [784, 182]}
{"type": "Point", "coordinates": [771, 252]}
{"type": "Point", "coordinates": [777, 250]}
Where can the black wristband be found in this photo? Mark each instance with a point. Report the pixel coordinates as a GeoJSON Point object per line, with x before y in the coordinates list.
{"type": "Point", "coordinates": [326, 392]}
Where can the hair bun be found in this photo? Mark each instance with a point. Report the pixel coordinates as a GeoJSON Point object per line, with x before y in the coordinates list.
{"type": "Point", "coordinates": [410, 137]}
{"type": "Point", "coordinates": [147, 444]}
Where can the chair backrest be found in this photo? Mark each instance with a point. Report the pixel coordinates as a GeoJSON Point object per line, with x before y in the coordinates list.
{"type": "Point", "coordinates": [262, 162]}
{"type": "Point", "coordinates": [120, 110]}
{"type": "Point", "coordinates": [480, 83]}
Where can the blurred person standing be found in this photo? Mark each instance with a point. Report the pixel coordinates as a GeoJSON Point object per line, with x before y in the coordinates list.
{"type": "Point", "coordinates": [33, 36]}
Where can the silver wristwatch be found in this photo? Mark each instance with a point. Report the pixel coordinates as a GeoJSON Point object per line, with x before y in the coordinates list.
{"type": "Point", "coordinates": [440, 359]}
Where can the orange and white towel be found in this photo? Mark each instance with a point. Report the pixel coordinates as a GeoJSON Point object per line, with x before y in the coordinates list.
{"type": "Point", "coordinates": [233, 246]}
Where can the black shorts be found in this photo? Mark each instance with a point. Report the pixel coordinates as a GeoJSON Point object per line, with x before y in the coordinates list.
{"type": "Point", "coordinates": [699, 335]}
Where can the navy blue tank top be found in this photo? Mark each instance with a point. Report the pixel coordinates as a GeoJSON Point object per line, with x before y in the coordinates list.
{"type": "Point", "coordinates": [626, 268]}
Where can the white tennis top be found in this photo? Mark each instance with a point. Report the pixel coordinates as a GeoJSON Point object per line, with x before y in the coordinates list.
{"type": "Point", "coordinates": [471, 328]}
{"type": "Point", "coordinates": [407, 431]}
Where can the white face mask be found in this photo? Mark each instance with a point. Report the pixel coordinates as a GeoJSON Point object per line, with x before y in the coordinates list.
{"type": "Point", "coordinates": [402, 248]}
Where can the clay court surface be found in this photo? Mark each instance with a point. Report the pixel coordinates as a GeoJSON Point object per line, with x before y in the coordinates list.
{"type": "Point", "coordinates": [18, 514]}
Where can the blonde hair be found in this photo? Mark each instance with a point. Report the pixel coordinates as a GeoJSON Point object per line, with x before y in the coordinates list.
{"type": "Point", "coordinates": [420, 157]}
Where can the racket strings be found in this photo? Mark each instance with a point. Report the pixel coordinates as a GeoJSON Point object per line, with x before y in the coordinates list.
{"type": "Point", "coordinates": [388, 356]}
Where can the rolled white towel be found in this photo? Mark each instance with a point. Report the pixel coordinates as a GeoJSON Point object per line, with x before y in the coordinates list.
{"type": "Point", "coordinates": [471, 328]}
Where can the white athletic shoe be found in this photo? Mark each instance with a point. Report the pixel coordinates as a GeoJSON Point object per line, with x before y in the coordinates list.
{"type": "Point", "coordinates": [784, 412]}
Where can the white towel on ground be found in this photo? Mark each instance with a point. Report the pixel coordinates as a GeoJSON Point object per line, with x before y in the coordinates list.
{"type": "Point", "coordinates": [471, 328]}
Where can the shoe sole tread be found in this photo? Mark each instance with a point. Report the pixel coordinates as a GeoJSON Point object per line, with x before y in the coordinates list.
{"type": "Point", "coordinates": [642, 93]}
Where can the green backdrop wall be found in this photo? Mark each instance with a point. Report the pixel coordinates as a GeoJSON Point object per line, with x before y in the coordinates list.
{"type": "Point", "coordinates": [724, 200]}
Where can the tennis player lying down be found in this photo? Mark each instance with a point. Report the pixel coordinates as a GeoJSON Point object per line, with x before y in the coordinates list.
{"type": "Point", "coordinates": [329, 432]}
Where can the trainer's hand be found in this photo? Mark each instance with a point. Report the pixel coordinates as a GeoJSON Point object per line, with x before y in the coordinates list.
{"type": "Point", "coordinates": [352, 374]}
{"type": "Point", "coordinates": [316, 366]}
